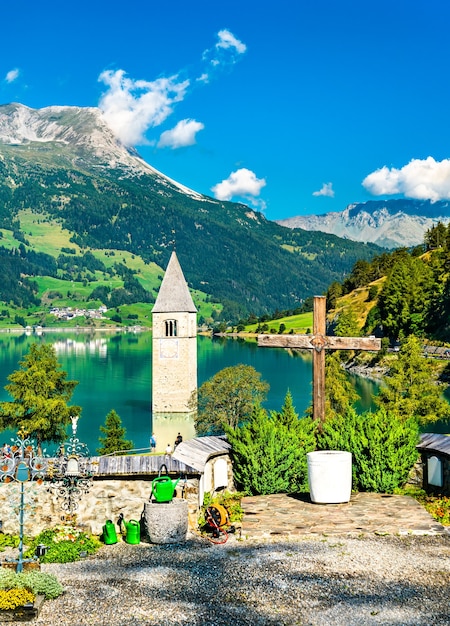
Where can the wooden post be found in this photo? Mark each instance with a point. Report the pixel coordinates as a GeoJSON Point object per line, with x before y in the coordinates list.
{"type": "Point", "coordinates": [319, 332]}
{"type": "Point", "coordinates": [319, 343]}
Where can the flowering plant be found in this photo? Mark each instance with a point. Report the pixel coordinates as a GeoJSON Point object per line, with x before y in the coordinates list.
{"type": "Point", "coordinates": [66, 533]}
{"type": "Point", "coordinates": [65, 544]}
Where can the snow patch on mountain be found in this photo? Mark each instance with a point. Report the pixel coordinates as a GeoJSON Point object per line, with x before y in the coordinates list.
{"type": "Point", "coordinates": [82, 127]}
{"type": "Point", "coordinates": [395, 224]}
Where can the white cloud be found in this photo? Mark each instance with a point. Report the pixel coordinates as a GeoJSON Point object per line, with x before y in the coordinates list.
{"type": "Point", "coordinates": [182, 135]}
{"type": "Point", "coordinates": [12, 75]}
{"type": "Point", "coordinates": [327, 190]}
{"type": "Point", "coordinates": [421, 179]}
{"type": "Point", "coordinates": [228, 40]}
{"type": "Point", "coordinates": [241, 183]}
{"type": "Point", "coordinates": [131, 107]}
{"type": "Point", "coordinates": [226, 52]}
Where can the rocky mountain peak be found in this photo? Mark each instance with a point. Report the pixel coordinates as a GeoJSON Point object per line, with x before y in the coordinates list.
{"type": "Point", "coordinates": [390, 224]}
{"type": "Point", "coordinates": [83, 131]}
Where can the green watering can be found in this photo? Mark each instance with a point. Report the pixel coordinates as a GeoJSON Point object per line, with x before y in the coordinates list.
{"type": "Point", "coordinates": [163, 487]}
{"type": "Point", "coordinates": [109, 533]}
{"type": "Point", "coordinates": [132, 530]}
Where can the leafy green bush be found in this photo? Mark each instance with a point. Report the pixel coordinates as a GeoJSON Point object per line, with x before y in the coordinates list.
{"type": "Point", "coordinates": [35, 581]}
{"type": "Point", "coordinates": [383, 447]}
{"type": "Point", "coordinates": [64, 543]}
{"type": "Point", "coordinates": [8, 541]}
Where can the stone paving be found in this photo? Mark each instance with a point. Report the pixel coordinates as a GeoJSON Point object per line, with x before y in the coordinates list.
{"type": "Point", "coordinates": [366, 514]}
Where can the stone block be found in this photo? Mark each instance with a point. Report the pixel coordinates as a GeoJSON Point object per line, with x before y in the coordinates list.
{"type": "Point", "coordinates": [166, 522]}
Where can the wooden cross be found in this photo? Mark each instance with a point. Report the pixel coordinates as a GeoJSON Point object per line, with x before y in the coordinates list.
{"type": "Point", "coordinates": [318, 342]}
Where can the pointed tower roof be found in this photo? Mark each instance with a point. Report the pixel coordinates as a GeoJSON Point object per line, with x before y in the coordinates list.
{"type": "Point", "coordinates": [174, 295]}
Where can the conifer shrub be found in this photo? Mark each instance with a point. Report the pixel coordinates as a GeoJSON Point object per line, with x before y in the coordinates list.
{"type": "Point", "coordinates": [383, 447]}
{"type": "Point", "coordinates": [269, 452]}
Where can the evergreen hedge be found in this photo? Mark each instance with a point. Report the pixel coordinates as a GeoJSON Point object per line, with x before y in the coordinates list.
{"type": "Point", "coordinates": [383, 447]}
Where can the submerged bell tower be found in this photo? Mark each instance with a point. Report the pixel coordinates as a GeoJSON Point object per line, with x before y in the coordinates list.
{"type": "Point", "coordinates": [174, 351]}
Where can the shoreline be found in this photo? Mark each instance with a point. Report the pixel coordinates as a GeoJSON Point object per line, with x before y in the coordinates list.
{"type": "Point", "coordinates": [71, 329]}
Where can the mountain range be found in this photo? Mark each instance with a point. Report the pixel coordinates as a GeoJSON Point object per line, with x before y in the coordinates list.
{"type": "Point", "coordinates": [387, 223]}
{"type": "Point", "coordinates": [65, 165]}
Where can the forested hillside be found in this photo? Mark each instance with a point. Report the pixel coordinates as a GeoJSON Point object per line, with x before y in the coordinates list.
{"type": "Point", "coordinates": [109, 199]}
{"type": "Point", "coordinates": [408, 292]}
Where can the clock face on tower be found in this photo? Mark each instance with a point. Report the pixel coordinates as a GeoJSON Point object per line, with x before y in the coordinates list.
{"type": "Point", "coordinates": [168, 348]}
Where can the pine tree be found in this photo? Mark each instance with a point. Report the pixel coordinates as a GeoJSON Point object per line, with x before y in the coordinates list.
{"type": "Point", "coordinates": [113, 441]}
{"type": "Point", "coordinates": [347, 324]}
{"type": "Point", "coordinates": [288, 416]}
{"type": "Point", "coordinates": [41, 395]}
{"type": "Point", "coordinates": [269, 451]}
{"type": "Point", "coordinates": [405, 297]}
{"type": "Point", "coordinates": [410, 389]}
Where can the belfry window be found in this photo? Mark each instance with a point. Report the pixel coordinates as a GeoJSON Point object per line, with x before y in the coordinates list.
{"type": "Point", "coordinates": [171, 328]}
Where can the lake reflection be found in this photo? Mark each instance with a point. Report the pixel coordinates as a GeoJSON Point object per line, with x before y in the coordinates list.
{"type": "Point", "coordinates": [114, 372]}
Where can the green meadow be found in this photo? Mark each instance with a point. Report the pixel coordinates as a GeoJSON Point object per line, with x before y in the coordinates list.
{"type": "Point", "coordinates": [46, 235]}
{"type": "Point", "coordinates": [301, 323]}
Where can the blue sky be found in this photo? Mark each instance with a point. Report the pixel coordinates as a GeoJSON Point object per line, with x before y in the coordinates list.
{"type": "Point", "coordinates": [293, 107]}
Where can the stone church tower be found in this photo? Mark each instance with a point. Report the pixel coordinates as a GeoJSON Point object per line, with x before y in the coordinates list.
{"type": "Point", "coordinates": [174, 370]}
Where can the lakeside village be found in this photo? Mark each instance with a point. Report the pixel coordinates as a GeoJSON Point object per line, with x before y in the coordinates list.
{"type": "Point", "coordinates": [67, 313]}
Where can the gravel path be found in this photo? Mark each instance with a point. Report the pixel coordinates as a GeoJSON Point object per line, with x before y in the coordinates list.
{"type": "Point", "coordinates": [322, 581]}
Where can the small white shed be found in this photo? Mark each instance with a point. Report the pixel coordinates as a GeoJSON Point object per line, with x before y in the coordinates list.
{"type": "Point", "coordinates": [210, 456]}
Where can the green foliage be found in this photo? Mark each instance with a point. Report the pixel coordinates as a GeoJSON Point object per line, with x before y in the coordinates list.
{"type": "Point", "coordinates": [372, 293]}
{"type": "Point", "coordinates": [415, 298]}
{"type": "Point", "coordinates": [269, 451]}
{"type": "Point", "coordinates": [439, 317]}
{"type": "Point", "coordinates": [227, 399]}
{"type": "Point", "coordinates": [340, 395]}
{"type": "Point", "coordinates": [383, 447]}
{"type": "Point", "coordinates": [65, 544]}
{"type": "Point", "coordinates": [114, 440]}
{"type": "Point", "coordinates": [372, 321]}
{"type": "Point", "coordinates": [335, 291]}
{"type": "Point", "coordinates": [35, 581]}
{"type": "Point", "coordinates": [230, 501]}
{"type": "Point", "coordinates": [437, 505]}
{"type": "Point", "coordinates": [41, 394]}
{"type": "Point", "coordinates": [347, 324]}
{"type": "Point", "coordinates": [405, 297]}
{"type": "Point", "coordinates": [19, 319]}
{"type": "Point", "coordinates": [8, 541]}
{"type": "Point", "coordinates": [410, 389]}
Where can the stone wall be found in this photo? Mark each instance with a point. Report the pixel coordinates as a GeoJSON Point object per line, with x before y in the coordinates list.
{"type": "Point", "coordinates": [106, 499]}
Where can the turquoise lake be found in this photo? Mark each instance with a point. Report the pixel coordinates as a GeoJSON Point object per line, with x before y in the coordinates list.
{"type": "Point", "coordinates": [114, 372]}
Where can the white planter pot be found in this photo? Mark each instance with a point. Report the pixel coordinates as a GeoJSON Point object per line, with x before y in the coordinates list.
{"type": "Point", "coordinates": [329, 476]}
